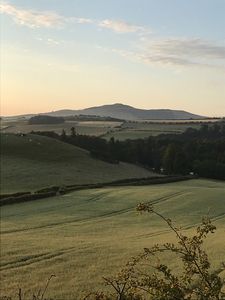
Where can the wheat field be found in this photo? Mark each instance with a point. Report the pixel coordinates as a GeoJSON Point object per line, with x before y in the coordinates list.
{"type": "Point", "coordinates": [82, 236]}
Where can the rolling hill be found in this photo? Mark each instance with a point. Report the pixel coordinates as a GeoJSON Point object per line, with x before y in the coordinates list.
{"type": "Point", "coordinates": [127, 112]}
{"type": "Point", "coordinates": [30, 162]}
{"type": "Point", "coordinates": [124, 112]}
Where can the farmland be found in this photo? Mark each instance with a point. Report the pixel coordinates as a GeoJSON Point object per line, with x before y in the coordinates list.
{"type": "Point", "coordinates": [95, 128]}
{"type": "Point", "coordinates": [31, 162]}
{"type": "Point", "coordinates": [136, 130]}
{"type": "Point", "coordinates": [84, 235]}
{"type": "Point", "coordinates": [107, 129]}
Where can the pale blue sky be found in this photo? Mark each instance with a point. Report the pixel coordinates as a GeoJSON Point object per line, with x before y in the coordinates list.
{"type": "Point", "coordinates": [151, 54]}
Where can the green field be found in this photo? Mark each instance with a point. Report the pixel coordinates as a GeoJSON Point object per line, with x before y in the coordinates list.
{"type": "Point", "coordinates": [32, 162]}
{"type": "Point", "coordinates": [84, 235]}
{"type": "Point", "coordinates": [131, 134]}
{"type": "Point", "coordinates": [136, 130]}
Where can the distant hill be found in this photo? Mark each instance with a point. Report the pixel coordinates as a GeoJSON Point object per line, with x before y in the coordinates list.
{"type": "Point", "coordinates": [119, 111]}
{"type": "Point", "coordinates": [30, 162]}
{"type": "Point", "coordinates": [127, 112]}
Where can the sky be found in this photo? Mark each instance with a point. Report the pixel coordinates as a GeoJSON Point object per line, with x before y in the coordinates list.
{"type": "Point", "coordinates": [73, 54]}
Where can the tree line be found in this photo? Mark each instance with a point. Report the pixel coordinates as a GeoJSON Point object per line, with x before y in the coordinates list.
{"type": "Point", "coordinates": [199, 151]}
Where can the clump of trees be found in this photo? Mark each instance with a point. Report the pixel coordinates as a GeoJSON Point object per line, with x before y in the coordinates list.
{"type": "Point", "coordinates": [147, 277]}
{"type": "Point", "coordinates": [92, 118]}
{"type": "Point", "coordinates": [44, 119]}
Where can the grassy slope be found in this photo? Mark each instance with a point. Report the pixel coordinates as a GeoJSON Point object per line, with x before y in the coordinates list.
{"type": "Point", "coordinates": [87, 234]}
{"type": "Point", "coordinates": [33, 162]}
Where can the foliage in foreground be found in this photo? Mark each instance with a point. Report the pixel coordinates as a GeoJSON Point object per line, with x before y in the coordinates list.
{"type": "Point", "coordinates": [40, 295]}
{"type": "Point", "coordinates": [145, 277]}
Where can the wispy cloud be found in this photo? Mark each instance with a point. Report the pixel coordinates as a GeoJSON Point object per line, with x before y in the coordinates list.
{"type": "Point", "coordinates": [177, 52]}
{"type": "Point", "coordinates": [31, 18]}
{"type": "Point", "coordinates": [120, 26]}
{"type": "Point", "coordinates": [80, 20]}
{"type": "Point", "coordinates": [185, 52]}
{"type": "Point", "coordinates": [49, 41]}
{"type": "Point", "coordinates": [195, 48]}
{"type": "Point", "coordinates": [37, 19]}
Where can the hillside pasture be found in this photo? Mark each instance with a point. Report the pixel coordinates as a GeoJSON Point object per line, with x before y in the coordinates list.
{"type": "Point", "coordinates": [33, 162]}
{"type": "Point", "coordinates": [87, 234]}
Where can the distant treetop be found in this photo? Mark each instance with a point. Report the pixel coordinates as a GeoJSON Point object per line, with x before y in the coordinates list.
{"type": "Point", "coordinates": [44, 119]}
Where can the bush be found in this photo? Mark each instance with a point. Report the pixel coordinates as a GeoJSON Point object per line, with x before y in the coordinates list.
{"type": "Point", "coordinates": [146, 277]}
{"type": "Point", "coordinates": [4, 196]}
{"type": "Point", "coordinates": [26, 197]}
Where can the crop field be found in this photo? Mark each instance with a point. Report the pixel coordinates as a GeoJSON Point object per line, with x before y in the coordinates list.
{"type": "Point", "coordinates": [32, 162]}
{"type": "Point", "coordinates": [95, 128]}
{"type": "Point", "coordinates": [107, 129]}
{"type": "Point", "coordinates": [82, 236]}
{"type": "Point", "coordinates": [212, 120]}
{"type": "Point", "coordinates": [132, 134]}
{"type": "Point", "coordinates": [136, 130]}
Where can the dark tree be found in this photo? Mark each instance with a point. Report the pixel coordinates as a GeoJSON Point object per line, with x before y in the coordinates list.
{"type": "Point", "coordinates": [63, 135]}
{"type": "Point", "coordinates": [73, 132]}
